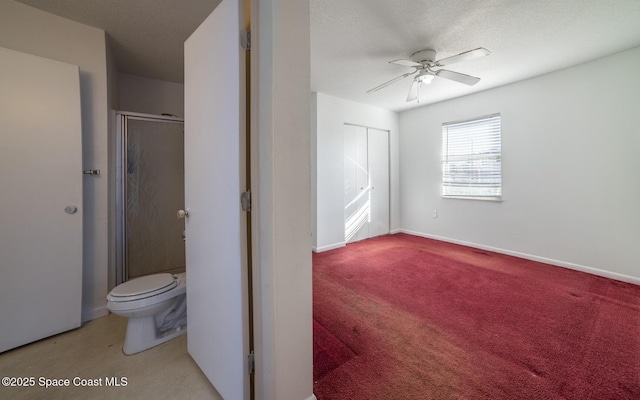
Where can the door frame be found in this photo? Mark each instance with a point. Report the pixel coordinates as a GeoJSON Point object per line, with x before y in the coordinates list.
{"type": "Point", "coordinates": [280, 42]}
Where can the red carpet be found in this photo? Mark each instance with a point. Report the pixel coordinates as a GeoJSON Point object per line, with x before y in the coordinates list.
{"type": "Point", "coordinates": [404, 317]}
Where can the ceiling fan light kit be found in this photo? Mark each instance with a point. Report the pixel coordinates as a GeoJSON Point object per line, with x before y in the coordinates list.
{"type": "Point", "coordinates": [424, 62]}
{"type": "Point", "coordinates": [425, 76]}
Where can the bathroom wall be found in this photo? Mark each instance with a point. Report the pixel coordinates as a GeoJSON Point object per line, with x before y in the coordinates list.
{"type": "Point", "coordinates": [150, 96]}
{"type": "Point", "coordinates": [113, 102]}
{"type": "Point", "coordinates": [36, 32]}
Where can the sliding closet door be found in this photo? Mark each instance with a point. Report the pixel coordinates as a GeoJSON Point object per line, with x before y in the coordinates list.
{"type": "Point", "coordinates": [378, 155]}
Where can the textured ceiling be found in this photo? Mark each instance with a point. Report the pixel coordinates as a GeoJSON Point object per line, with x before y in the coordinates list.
{"type": "Point", "coordinates": [352, 41]}
{"type": "Point", "coordinates": [146, 36]}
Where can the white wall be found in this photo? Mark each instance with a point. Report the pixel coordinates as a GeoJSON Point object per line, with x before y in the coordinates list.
{"type": "Point", "coordinates": [113, 80]}
{"type": "Point", "coordinates": [150, 96]}
{"type": "Point", "coordinates": [281, 181]}
{"type": "Point", "coordinates": [113, 102]}
{"type": "Point", "coordinates": [32, 31]}
{"type": "Point", "coordinates": [329, 114]}
{"type": "Point", "coordinates": [571, 169]}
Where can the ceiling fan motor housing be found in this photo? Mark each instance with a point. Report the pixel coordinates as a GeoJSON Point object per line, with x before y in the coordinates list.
{"type": "Point", "coordinates": [424, 56]}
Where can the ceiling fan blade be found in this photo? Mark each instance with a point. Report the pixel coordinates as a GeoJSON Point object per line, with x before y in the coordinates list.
{"type": "Point", "coordinates": [413, 92]}
{"type": "Point", "coordinates": [467, 55]}
{"type": "Point", "coordinates": [406, 63]}
{"type": "Point", "coordinates": [387, 83]}
{"type": "Point", "coordinates": [458, 77]}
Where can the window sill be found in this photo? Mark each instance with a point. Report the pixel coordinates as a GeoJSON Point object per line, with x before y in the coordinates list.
{"type": "Point", "coordinates": [496, 198]}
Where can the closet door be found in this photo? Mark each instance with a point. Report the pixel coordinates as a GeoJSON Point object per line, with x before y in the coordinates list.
{"type": "Point", "coordinates": [378, 156]}
{"type": "Point", "coordinates": [366, 182]}
{"type": "Point", "coordinates": [41, 197]}
{"type": "Point", "coordinates": [356, 184]}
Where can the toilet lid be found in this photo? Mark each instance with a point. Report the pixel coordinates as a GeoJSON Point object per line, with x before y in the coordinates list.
{"type": "Point", "coordinates": [145, 286]}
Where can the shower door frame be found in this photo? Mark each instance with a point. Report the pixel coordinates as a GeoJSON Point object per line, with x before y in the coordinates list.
{"type": "Point", "coordinates": [121, 272]}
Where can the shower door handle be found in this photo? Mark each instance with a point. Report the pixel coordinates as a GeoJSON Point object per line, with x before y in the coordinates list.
{"type": "Point", "coordinates": [183, 213]}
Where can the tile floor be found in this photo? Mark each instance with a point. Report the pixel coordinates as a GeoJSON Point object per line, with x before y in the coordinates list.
{"type": "Point", "coordinates": [94, 351]}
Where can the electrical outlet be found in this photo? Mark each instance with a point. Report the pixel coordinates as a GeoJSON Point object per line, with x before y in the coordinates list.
{"type": "Point", "coordinates": [435, 213]}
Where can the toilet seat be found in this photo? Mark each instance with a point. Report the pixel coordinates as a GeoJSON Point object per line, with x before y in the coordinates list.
{"type": "Point", "coordinates": [143, 287]}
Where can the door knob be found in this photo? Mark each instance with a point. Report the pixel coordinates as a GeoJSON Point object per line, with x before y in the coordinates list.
{"type": "Point", "coordinates": [183, 213]}
{"type": "Point", "coordinates": [71, 209]}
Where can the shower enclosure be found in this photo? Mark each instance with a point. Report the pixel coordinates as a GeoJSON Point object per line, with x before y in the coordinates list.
{"type": "Point", "coordinates": [150, 191]}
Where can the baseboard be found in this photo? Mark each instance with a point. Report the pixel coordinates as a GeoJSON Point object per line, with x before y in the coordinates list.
{"type": "Point", "coordinates": [328, 247]}
{"type": "Point", "coordinates": [577, 267]}
{"type": "Point", "coordinates": [342, 244]}
{"type": "Point", "coordinates": [89, 314]}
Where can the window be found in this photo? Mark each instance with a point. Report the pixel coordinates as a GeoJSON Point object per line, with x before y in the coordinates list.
{"type": "Point", "coordinates": [471, 158]}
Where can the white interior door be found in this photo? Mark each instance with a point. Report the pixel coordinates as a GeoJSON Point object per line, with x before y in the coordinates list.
{"type": "Point", "coordinates": [356, 184]}
{"type": "Point", "coordinates": [217, 333]}
{"type": "Point", "coordinates": [366, 182]}
{"type": "Point", "coordinates": [40, 198]}
{"type": "Point", "coordinates": [378, 151]}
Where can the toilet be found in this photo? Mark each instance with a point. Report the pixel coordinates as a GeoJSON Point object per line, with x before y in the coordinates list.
{"type": "Point", "coordinates": [156, 306]}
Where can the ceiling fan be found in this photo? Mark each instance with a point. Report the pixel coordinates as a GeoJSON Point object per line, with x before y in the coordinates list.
{"type": "Point", "coordinates": [423, 62]}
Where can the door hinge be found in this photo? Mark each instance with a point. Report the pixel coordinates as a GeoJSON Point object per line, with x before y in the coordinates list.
{"type": "Point", "coordinates": [245, 200]}
{"type": "Point", "coordinates": [245, 40]}
{"type": "Point", "coordinates": [251, 363]}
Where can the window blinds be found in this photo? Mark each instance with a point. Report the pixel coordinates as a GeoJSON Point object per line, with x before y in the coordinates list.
{"type": "Point", "coordinates": [471, 158]}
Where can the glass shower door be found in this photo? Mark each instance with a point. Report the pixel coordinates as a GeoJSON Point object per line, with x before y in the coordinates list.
{"type": "Point", "coordinates": [154, 192]}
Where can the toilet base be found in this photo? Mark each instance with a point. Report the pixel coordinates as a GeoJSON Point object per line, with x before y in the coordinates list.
{"type": "Point", "coordinates": [142, 335]}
